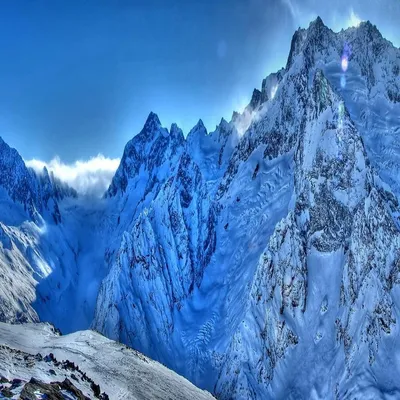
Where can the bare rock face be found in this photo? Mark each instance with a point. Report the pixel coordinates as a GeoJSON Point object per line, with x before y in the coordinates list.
{"type": "Point", "coordinates": [50, 390]}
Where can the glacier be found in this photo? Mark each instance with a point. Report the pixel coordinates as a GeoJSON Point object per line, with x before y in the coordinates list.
{"type": "Point", "coordinates": [260, 260]}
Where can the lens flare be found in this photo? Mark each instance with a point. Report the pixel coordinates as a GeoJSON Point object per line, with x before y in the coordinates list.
{"type": "Point", "coordinates": [341, 112]}
{"type": "Point", "coordinates": [273, 91]}
{"type": "Point", "coordinates": [345, 63]}
{"type": "Point", "coordinates": [343, 81]}
{"type": "Point", "coordinates": [354, 19]}
{"type": "Point", "coordinates": [346, 54]}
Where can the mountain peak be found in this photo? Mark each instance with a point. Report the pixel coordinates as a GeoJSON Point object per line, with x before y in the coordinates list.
{"type": "Point", "coordinates": [152, 122]}
{"type": "Point", "coordinates": [316, 29]}
{"type": "Point", "coordinates": [45, 172]}
{"type": "Point", "coordinates": [174, 128]}
{"type": "Point", "coordinates": [368, 24]}
{"type": "Point", "coordinates": [369, 27]}
{"type": "Point", "coordinates": [316, 37]}
{"type": "Point", "coordinates": [235, 116]}
{"type": "Point", "coordinates": [317, 22]}
{"type": "Point", "coordinates": [255, 99]}
{"type": "Point", "coordinates": [10, 152]}
{"type": "Point", "coordinates": [199, 128]}
{"type": "Point", "coordinates": [224, 127]}
{"type": "Point", "coordinates": [200, 125]}
{"type": "Point", "coordinates": [223, 121]}
{"type": "Point", "coordinates": [176, 132]}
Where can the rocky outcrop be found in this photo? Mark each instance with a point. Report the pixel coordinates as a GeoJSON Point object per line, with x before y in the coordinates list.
{"type": "Point", "coordinates": [37, 193]}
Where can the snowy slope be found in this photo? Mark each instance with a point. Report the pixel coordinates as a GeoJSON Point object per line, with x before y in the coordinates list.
{"type": "Point", "coordinates": [51, 247]}
{"type": "Point", "coordinates": [122, 373]}
{"type": "Point", "coordinates": [304, 186]}
{"type": "Point", "coordinates": [31, 224]}
{"type": "Point", "coordinates": [324, 279]}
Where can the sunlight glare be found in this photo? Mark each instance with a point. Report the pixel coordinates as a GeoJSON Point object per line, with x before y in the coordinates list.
{"type": "Point", "coordinates": [273, 91]}
{"type": "Point", "coordinates": [354, 20]}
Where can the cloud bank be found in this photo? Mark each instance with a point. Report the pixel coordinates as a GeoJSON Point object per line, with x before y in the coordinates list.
{"type": "Point", "coordinates": [88, 177]}
{"type": "Point", "coordinates": [354, 19]}
{"type": "Point", "coordinates": [337, 17]}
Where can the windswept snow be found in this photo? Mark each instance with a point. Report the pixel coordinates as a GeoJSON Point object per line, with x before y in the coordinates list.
{"type": "Point", "coordinates": [122, 373]}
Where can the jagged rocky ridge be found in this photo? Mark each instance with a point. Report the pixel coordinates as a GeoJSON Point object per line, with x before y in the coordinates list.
{"type": "Point", "coordinates": [262, 260]}
{"type": "Point", "coordinates": [28, 200]}
{"type": "Point", "coordinates": [38, 193]}
{"type": "Point", "coordinates": [256, 302]}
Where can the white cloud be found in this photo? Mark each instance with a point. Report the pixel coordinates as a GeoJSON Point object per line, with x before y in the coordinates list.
{"type": "Point", "coordinates": [293, 9]}
{"type": "Point", "coordinates": [301, 12]}
{"type": "Point", "coordinates": [354, 19]}
{"type": "Point", "coordinates": [346, 19]}
{"type": "Point", "coordinates": [89, 177]}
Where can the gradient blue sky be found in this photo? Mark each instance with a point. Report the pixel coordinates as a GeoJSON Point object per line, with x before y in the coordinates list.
{"type": "Point", "coordinates": [79, 77]}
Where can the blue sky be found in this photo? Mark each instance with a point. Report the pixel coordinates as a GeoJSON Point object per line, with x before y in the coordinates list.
{"type": "Point", "coordinates": [79, 77]}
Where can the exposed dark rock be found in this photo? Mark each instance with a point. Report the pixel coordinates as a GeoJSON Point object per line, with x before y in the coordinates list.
{"type": "Point", "coordinates": [30, 390]}
{"type": "Point", "coordinates": [96, 389]}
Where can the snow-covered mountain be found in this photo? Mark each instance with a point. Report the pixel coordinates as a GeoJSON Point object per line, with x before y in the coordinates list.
{"type": "Point", "coordinates": [82, 365]}
{"type": "Point", "coordinates": [261, 260]}
{"type": "Point", "coordinates": [38, 194]}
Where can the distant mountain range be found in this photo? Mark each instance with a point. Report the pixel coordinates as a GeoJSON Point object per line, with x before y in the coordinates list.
{"type": "Point", "coordinates": [261, 260]}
